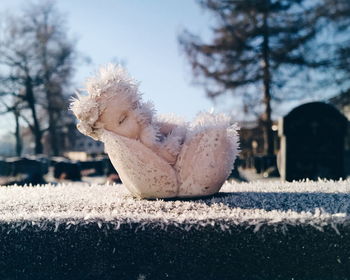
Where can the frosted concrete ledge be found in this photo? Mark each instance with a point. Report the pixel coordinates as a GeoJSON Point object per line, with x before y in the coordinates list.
{"type": "Point", "coordinates": [265, 230]}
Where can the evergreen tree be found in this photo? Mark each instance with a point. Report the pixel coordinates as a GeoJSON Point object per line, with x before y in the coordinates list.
{"type": "Point", "coordinates": [258, 47]}
{"type": "Point", "coordinates": [338, 12]}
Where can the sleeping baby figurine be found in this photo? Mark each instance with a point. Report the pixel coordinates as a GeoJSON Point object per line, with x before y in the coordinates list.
{"type": "Point", "coordinates": [156, 157]}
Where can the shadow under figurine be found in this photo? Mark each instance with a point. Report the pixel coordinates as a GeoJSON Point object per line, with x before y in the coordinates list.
{"type": "Point", "coordinates": [156, 157]}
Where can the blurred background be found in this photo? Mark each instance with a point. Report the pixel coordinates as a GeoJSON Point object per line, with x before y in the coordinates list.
{"type": "Point", "coordinates": [281, 69]}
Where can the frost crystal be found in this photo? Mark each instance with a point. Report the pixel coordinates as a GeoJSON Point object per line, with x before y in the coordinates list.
{"type": "Point", "coordinates": [322, 203]}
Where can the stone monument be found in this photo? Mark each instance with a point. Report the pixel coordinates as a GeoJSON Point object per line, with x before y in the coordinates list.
{"type": "Point", "coordinates": [312, 143]}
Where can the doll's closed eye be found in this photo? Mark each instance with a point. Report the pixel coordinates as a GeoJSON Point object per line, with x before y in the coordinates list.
{"type": "Point", "coordinates": [122, 119]}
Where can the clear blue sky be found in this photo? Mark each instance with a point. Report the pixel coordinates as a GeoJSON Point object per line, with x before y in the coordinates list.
{"type": "Point", "coordinates": [143, 34]}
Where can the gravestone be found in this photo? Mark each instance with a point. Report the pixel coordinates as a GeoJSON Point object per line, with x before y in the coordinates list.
{"type": "Point", "coordinates": [312, 143]}
{"type": "Point", "coordinates": [67, 170]}
{"type": "Point", "coordinates": [5, 168]}
{"type": "Point", "coordinates": [262, 230]}
{"type": "Point", "coordinates": [96, 165]}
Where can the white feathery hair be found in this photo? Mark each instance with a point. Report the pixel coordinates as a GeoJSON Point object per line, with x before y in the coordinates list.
{"type": "Point", "coordinates": [112, 80]}
{"type": "Point", "coordinates": [109, 82]}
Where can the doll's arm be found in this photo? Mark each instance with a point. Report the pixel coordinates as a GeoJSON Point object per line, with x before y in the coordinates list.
{"type": "Point", "coordinates": [143, 172]}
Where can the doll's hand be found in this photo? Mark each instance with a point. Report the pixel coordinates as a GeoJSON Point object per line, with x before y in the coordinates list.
{"type": "Point", "coordinates": [168, 156]}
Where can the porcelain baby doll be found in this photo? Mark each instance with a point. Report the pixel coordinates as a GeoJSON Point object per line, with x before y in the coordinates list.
{"type": "Point", "coordinates": [114, 104]}
{"type": "Point", "coordinates": [155, 158]}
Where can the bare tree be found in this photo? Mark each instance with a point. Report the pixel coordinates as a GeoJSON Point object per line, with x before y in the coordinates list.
{"type": "Point", "coordinates": [39, 56]}
{"type": "Point", "coordinates": [17, 59]}
{"type": "Point", "coordinates": [258, 48]}
{"type": "Point", "coordinates": [14, 107]}
{"type": "Point", "coordinates": [56, 55]}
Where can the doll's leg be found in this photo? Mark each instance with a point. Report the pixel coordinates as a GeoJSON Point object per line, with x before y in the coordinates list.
{"type": "Point", "coordinates": [205, 162]}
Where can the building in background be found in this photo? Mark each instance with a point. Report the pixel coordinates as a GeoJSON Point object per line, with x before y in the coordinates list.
{"type": "Point", "coordinates": [252, 145]}
{"type": "Point", "coordinates": [342, 103]}
{"type": "Point", "coordinates": [78, 146]}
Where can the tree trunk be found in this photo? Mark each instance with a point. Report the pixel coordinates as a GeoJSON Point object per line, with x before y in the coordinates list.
{"type": "Point", "coordinates": [18, 135]}
{"type": "Point", "coordinates": [55, 150]}
{"type": "Point", "coordinates": [267, 122]}
{"type": "Point", "coordinates": [36, 127]}
{"type": "Point", "coordinates": [51, 108]}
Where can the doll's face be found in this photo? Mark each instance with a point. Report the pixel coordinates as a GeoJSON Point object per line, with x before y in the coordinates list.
{"type": "Point", "coordinates": [119, 118]}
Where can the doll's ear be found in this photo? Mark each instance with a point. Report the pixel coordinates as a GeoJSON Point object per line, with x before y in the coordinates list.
{"type": "Point", "coordinates": [145, 113]}
{"type": "Point", "coordinates": [135, 105]}
{"type": "Point", "coordinates": [149, 135]}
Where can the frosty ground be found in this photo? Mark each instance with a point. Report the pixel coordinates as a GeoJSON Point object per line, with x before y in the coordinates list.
{"type": "Point", "coordinates": [256, 230]}
{"type": "Point", "coordinates": [315, 203]}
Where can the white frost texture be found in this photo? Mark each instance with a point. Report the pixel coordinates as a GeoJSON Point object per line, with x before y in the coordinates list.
{"type": "Point", "coordinates": [319, 204]}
